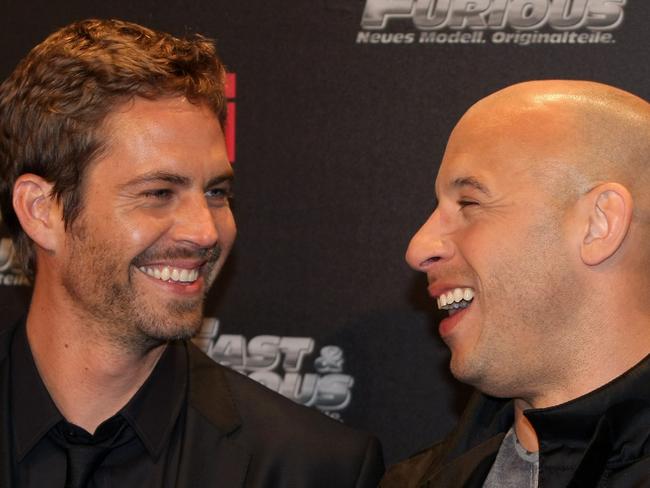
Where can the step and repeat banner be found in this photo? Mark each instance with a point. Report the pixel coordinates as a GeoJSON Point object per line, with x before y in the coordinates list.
{"type": "Point", "coordinates": [339, 113]}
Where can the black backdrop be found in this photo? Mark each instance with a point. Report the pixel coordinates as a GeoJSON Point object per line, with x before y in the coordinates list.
{"type": "Point", "coordinates": [338, 139]}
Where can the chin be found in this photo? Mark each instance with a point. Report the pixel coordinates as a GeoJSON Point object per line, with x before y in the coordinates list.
{"type": "Point", "coordinates": [180, 330]}
{"type": "Point", "coordinates": [468, 372]}
{"type": "Point", "coordinates": [155, 330]}
{"type": "Point", "coordinates": [484, 382]}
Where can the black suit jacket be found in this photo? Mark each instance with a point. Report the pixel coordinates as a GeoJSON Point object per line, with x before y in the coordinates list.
{"type": "Point", "coordinates": [601, 439]}
{"type": "Point", "coordinates": [240, 434]}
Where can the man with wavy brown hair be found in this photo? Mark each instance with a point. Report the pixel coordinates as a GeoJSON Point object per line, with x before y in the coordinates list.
{"type": "Point", "coordinates": [116, 188]}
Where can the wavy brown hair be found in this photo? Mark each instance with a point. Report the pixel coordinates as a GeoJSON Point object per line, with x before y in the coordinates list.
{"type": "Point", "coordinates": [52, 106]}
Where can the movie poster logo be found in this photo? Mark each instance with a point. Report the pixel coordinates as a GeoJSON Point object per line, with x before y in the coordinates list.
{"type": "Point", "coordinates": [10, 271]}
{"type": "Point", "coordinates": [291, 366]}
{"type": "Point", "coordinates": [521, 22]}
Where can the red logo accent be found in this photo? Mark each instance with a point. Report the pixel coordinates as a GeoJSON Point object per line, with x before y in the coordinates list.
{"type": "Point", "coordinates": [231, 93]}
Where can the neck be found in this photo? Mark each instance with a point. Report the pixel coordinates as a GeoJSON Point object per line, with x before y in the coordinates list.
{"type": "Point", "coordinates": [88, 377]}
{"type": "Point", "coordinates": [607, 351]}
{"type": "Point", "coordinates": [526, 434]}
{"type": "Point", "coordinates": [614, 347]}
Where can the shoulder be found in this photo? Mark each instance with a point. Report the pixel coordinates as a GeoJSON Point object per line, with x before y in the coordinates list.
{"type": "Point", "coordinates": [636, 473]}
{"type": "Point", "coordinates": [475, 439]}
{"type": "Point", "coordinates": [262, 407]}
{"type": "Point", "coordinates": [279, 432]}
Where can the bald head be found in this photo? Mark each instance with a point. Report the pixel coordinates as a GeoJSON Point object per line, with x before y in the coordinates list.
{"type": "Point", "coordinates": [542, 221]}
{"type": "Point", "coordinates": [584, 133]}
{"type": "Point", "coordinates": [575, 142]}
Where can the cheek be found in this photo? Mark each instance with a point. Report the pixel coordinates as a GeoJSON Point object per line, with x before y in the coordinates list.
{"type": "Point", "coordinates": [485, 243]}
{"type": "Point", "coordinates": [494, 256]}
{"type": "Point", "coordinates": [226, 228]}
{"type": "Point", "coordinates": [139, 234]}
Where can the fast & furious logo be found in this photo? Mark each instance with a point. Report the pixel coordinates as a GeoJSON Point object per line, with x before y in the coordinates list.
{"type": "Point", "coordinates": [10, 271]}
{"type": "Point", "coordinates": [521, 22]}
{"type": "Point", "coordinates": [277, 363]}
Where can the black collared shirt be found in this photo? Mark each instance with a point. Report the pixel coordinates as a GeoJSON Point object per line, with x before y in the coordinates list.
{"type": "Point", "coordinates": [143, 439]}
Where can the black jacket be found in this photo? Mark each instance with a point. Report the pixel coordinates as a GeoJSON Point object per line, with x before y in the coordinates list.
{"type": "Point", "coordinates": [599, 440]}
{"type": "Point", "coordinates": [240, 434]}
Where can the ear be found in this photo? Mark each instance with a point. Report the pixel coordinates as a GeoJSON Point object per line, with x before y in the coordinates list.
{"type": "Point", "coordinates": [38, 212]}
{"type": "Point", "coordinates": [608, 208]}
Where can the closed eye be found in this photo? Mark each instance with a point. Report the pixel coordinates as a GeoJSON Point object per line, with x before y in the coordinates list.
{"type": "Point", "coordinates": [158, 193]}
{"type": "Point", "coordinates": [466, 203]}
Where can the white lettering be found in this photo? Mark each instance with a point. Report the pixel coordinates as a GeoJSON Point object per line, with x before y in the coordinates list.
{"type": "Point", "coordinates": [429, 15]}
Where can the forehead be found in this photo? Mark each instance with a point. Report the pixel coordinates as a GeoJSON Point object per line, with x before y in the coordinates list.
{"type": "Point", "coordinates": [169, 134]}
{"type": "Point", "coordinates": [505, 146]}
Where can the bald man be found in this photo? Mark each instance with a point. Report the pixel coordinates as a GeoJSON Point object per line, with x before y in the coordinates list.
{"type": "Point", "coordinates": [538, 249]}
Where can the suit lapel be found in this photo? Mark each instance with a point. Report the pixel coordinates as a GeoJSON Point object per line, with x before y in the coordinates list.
{"type": "Point", "coordinates": [209, 456]}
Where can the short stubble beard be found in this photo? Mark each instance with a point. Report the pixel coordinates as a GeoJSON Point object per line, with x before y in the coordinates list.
{"type": "Point", "coordinates": [119, 311]}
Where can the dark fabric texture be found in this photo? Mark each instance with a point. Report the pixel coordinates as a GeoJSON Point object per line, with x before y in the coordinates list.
{"type": "Point", "coordinates": [256, 438]}
{"type": "Point", "coordinates": [141, 443]}
{"type": "Point", "coordinates": [601, 439]}
{"type": "Point", "coordinates": [238, 433]}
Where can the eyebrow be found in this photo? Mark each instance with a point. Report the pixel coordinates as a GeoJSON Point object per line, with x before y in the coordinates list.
{"type": "Point", "coordinates": [227, 177]}
{"type": "Point", "coordinates": [472, 182]}
{"type": "Point", "coordinates": [173, 178]}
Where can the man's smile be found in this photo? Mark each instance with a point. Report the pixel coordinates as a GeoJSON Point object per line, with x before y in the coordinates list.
{"type": "Point", "coordinates": [186, 280]}
{"type": "Point", "coordinates": [178, 267]}
{"type": "Point", "coordinates": [455, 299]}
{"type": "Point", "coordinates": [171, 273]}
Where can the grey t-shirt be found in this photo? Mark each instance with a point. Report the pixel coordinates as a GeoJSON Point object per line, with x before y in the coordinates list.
{"type": "Point", "coordinates": [514, 467]}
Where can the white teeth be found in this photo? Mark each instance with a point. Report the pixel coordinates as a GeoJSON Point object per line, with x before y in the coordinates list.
{"type": "Point", "coordinates": [166, 273]}
{"type": "Point", "coordinates": [457, 298]}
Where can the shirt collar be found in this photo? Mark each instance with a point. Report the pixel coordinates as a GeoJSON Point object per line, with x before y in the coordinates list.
{"type": "Point", "coordinates": [33, 410]}
{"type": "Point", "coordinates": [624, 403]}
{"type": "Point", "coordinates": [152, 412]}
{"type": "Point", "coordinates": [620, 406]}
{"type": "Point", "coordinates": [155, 408]}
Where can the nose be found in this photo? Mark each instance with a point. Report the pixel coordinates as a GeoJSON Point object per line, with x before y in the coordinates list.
{"type": "Point", "coordinates": [428, 246]}
{"type": "Point", "coordinates": [196, 223]}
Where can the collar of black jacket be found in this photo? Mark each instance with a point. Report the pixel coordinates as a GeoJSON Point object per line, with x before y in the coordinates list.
{"type": "Point", "coordinates": [152, 412]}
{"type": "Point", "coordinates": [226, 418]}
{"type": "Point", "coordinates": [604, 429]}
{"type": "Point", "coordinates": [608, 420]}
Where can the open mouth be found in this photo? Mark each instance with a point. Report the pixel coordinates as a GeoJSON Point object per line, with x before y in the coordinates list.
{"type": "Point", "coordinates": [455, 300]}
{"type": "Point", "coordinates": [171, 273]}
